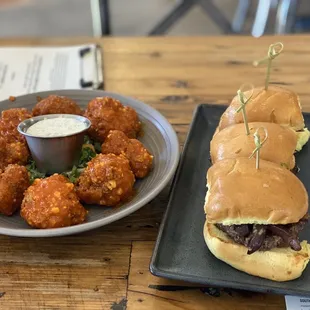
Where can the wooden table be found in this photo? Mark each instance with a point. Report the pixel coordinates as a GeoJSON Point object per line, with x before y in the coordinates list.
{"type": "Point", "coordinates": [108, 268]}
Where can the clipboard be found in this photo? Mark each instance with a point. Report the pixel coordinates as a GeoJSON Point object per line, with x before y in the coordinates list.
{"type": "Point", "coordinates": [25, 70]}
{"type": "Point", "coordinates": [93, 54]}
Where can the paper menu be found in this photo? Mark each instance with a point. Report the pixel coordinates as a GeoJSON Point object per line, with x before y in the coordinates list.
{"type": "Point", "coordinates": [26, 70]}
{"type": "Point", "coordinates": [297, 302]}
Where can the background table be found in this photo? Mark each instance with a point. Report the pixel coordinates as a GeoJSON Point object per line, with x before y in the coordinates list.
{"type": "Point", "coordinates": [108, 268]}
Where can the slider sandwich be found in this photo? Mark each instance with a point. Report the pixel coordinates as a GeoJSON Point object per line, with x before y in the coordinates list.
{"type": "Point", "coordinates": [254, 216]}
{"type": "Point", "coordinates": [275, 105]}
{"type": "Point", "coordinates": [233, 142]}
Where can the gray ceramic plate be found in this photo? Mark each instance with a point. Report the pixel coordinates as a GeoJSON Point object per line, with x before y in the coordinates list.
{"type": "Point", "coordinates": [159, 137]}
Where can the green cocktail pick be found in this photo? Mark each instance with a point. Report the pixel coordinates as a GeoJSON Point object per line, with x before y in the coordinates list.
{"type": "Point", "coordinates": [243, 101]}
{"type": "Point", "coordinates": [273, 51]}
{"type": "Point", "coordinates": [258, 144]}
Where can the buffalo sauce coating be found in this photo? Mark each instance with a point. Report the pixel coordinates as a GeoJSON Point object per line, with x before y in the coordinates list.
{"type": "Point", "coordinates": [51, 203]}
{"type": "Point", "coordinates": [106, 114]}
{"type": "Point", "coordinates": [107, 180]}
{"type": "Point", "coordinates": [139, 157]}
{"type": "Point", "coordinates": [13, 153]}
{"type": "Point", "coordinates": [9, 122]}
{"type": "Point", "coordinates": [56, 105]}
{"type": "Point", "coordinates": [13, 146]}
{"type": "Point", "coordinates": [13, 183]}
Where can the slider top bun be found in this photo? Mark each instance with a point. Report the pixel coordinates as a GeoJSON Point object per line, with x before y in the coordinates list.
{"type": "Point", "coordinates": [232, 142]}
{"type": "Point", "coordinates": [276, 105]}
{"type": "Point", "coordinates": [238, 193]}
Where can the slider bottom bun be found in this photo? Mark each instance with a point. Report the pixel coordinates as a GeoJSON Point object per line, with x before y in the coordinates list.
{"type": "Point", "coordinates": [216, 130]}
{"type": "Point", "coordinates": [278, 264]}
{"type": "Point", "coordinates": [292, 163]}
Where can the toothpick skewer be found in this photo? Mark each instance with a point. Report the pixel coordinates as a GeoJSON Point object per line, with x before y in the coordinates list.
{"type": "Point", "coordinates": [258, 144]}
{"type": "Point", "coordinates": [273, 51]}
{"type": "Point", "coordinates": [243, 101]}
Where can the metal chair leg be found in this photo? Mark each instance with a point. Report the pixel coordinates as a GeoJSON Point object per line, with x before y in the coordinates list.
{"type": "Point", "coordinates": [105, 16]}
{"type": "Point", "coordinates": [240, 15]}
{"type": "Point", "coordinates": [286, 15]}
{"type": "Point", "coordinates": [216, 15]}
{"type": "Point", "coordinates": [261, 18]}
{"type": "Point", "coordinates": [175, 15]}
{"type": "Point", "coordinates": [101, 17]}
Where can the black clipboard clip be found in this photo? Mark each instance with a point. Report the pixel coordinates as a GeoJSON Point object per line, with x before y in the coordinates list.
{"type": "Point", "coordinates": [97, 81]}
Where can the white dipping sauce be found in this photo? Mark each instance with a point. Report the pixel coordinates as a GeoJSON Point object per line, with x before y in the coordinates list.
{"type": "Point", "coordinates": [55, 127]}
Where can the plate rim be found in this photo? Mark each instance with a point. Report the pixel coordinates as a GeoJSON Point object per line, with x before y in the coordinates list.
{"type": "Point", "coordinates": [76, 229]}
{"type": "Point", "coordinates": [161, 272]}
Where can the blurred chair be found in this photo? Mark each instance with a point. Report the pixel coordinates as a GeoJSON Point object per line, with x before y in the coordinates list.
{"type": "Point", "coordinates": [241, 15]}
{"type": "Point", "coordinates": [285, 16]}
{"type": "Point", "coordinates": [285, 22]}
{"type": "Point", "coordinates": [183, 7]}
{"type": "Point", "coordinates": [100, 17]}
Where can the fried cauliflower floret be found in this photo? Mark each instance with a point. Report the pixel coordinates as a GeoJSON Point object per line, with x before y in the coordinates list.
{"type": "Point", "coordinates": [107, 181]}
{"type": "Point", "coordinates": [140, 159]}
{"type": "Point", "coordinates": [13, 146]}
{"type": "Point", "coordinates": [9, 122]}
{"type": "Point", "coordinates": [106, 114]}
{"type": "Point", "coordinates": [56, 105]}
{"type": "Point", "coordinates": [13, 153]}
{"type": "Point", "coordinates": [51, 203]}
{"type": "Point", "coordinates": [13, 183]}
{"type": "Point", "coordinates": [17, 153]}
{"type": "Point", "coordinates": [15, 115]}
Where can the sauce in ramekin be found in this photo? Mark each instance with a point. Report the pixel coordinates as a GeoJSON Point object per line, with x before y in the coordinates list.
{"type": "Point", "coordinates": [56, 127]}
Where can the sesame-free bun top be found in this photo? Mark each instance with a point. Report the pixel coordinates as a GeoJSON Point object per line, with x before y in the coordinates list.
{"type": "Point", "coordinates": [238, 193]}
{"type": "Point", "coordinates": [276, 105]}
{"type": "Point", "coordinates": [232, 142]}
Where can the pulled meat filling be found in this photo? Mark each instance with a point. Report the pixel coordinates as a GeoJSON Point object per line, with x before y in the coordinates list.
{"type": "Point", "coordinates": [265, 237]}
{"type": "Point", "coordinates": [296, 169]}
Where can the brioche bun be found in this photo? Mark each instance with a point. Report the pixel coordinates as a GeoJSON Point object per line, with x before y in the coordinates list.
{"type": "Point", "coordinates": [241, 194]}
{"type": "Point", "coordinates": [232, 142]}
{"type": "Point", "coordinates": [278, 264]}
{"type": "Point", "coordinates": [275, 105]}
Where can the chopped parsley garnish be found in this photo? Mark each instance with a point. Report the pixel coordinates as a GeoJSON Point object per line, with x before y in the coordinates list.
{"type": "Point", "coordinates": [74, 174]}
{"type": "Point", "coordinates": [34, 172]}
{"type": "Point", "coordinates": [87, 154]}
{"type": "Point", "coordinates": [89, 151]}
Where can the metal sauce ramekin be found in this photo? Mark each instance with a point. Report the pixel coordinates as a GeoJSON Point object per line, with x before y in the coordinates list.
{"type": "Point", "coordinates": [54, 154]}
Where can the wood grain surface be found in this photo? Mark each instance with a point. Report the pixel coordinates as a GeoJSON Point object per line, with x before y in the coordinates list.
{"type": "Point", "coordinates": [108, 268]}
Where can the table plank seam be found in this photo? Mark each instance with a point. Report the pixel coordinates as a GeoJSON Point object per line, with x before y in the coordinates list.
{"type": "Point", "coordinates": [156, 296]}
{"type": "Point", "coordinates": [128, 272]}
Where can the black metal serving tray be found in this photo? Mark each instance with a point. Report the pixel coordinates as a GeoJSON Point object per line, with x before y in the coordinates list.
{"type": "Point", "coordinates": [180, 252]}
